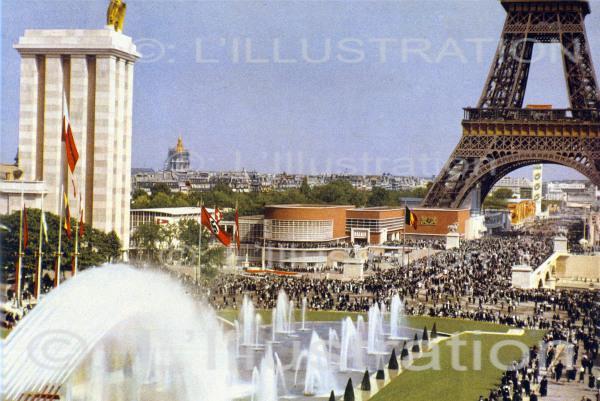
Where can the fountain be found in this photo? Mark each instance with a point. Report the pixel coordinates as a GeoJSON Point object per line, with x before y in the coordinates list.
{"type": "Point", "coordinates": [396, 323]}
{"type": "Point", "coordinates": [265, 380]}
{"type": "Point", "coordinates": [257, 322]}
{"type": "Point", "coordinates": [332, 340]}
{"type": "Point", "coordinates": [375, 340]}
{"type": "Point", "coordinates": [137, 329]}
{"type": "Point", "coordinates": [247, 319]}
{"type": "Point", "coordinates": [318, 377]}
{"type": "Point", "coordinates": [304, 305]}
{"type": "Point", "coordinates": [236, 326]}
{"type": "Point", "coordinates": [351, 350]}
{"type": "Point", "coordinates": [284, 314]}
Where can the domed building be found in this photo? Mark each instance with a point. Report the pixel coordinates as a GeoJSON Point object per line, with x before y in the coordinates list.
{"type": "Point", "coordinates": [178, 159]}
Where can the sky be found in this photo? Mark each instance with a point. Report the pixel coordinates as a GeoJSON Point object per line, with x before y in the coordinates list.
{"type": "Point", "coordinates": [361, 87]}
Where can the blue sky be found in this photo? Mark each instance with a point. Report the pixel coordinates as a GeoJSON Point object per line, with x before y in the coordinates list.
{"type": "Point", "coordinates": [240, 81]}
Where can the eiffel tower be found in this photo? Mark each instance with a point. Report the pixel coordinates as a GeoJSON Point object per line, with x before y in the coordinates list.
{"type": "Point", "coordinates": [499, 135]}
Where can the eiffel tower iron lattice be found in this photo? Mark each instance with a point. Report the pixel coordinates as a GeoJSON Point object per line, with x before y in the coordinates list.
{"type": "Point", "coordinates": [499, 135]}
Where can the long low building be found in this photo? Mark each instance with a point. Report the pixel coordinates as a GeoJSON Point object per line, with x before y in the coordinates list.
{"type": "Point", "coordinates": [305, 236]}
{"type": "Point", "coordinates": [313, 236]}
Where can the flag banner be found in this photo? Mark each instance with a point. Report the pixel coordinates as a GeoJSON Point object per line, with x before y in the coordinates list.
{"type": "Point", "coordinates": [81, 224]}
{"type": "Point", "coordinates": [209, 222]}
{"type": "Point", "coordinates": [218, 215]}
{"type": "Point", "coordinates": [410, 218]}
{"type": "Point", "coordinates": [25, 228]}
{"type": "Point", "coordinates": [237, 229]}
{"type": "Point", "coordinates": [67, 223]}
{"type": "Point", "coordinates": [74, 185]}
{"type": "Point", "coordinates": [44, 226]}
{"type": "Point", "coordinates": [67, 138]}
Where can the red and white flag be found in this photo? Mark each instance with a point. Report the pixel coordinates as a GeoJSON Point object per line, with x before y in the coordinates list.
{"type": "Point", "coordinates": [218, 215]}
{"type": "Point", "coordinates": [81, 224]}
{"type": "Point", "coordinates": [67, 137]}
{"type": "Point", "coordinates": [67, 222]}
{"type": "Point", "coordinates": [209, 222]}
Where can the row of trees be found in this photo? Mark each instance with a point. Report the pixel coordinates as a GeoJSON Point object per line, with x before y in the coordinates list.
{"type": "Point", "coordinates": [498, 199]}
{"type": "Point", "coordinates": [158, 243]}
{"type": "Point", "coordinates": [95, 247]}
{"type": "Point", "coordinates": [337, 192]}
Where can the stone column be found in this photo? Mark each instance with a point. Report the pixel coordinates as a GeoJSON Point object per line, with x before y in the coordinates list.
{"type": "Point", "coordinates": [78, 108]}
{"type": "Point", "coordinates": [127, 154]}
{"type": "Point", "coordinates": [53, 160]}
{"type": "Point", "coordinates": [28, 121]}
{"type": "Point", "coordinates": [104, 144]}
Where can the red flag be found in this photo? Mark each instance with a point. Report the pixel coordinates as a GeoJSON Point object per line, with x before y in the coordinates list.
{"type": "Point", "coordinates": [81, 225]}
{"type": "Point", "coordinates": [218, 215]}
{"type": "Point", "coordinates": [25, 228]}
{"type": "Point", "coordinates": [237, 229]}
{"type": "Point", "coordinates": [67, 224]}
{"type": "Point", "coordinates": [209, 222]}
{"type": "Point", "coordinates": [67, 138]}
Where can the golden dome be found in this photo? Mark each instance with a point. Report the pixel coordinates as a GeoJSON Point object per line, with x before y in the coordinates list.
{"type": "Point", "coordinates": [179, 148]}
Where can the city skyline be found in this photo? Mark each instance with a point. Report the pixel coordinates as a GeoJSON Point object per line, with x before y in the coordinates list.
{"type": "Point", "coordinates": [244, 89]}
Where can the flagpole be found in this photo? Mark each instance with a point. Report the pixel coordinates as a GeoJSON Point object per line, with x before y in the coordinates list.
{"type": "Point", "coordinates": [404, 234]}
{"type": "Point", "coordinates": [75, 266]}
{"type": "Point", "coordinates": [60, 228]}
{"type": "Point", "coordinates": [38, 272]}
{"type": "Point", "coordinates": [61, 194]}
{"type": "Point", "coordinates": [235, 236]}
{"type": "Point", "coordinates": [20, 258]}
{"type": "Point", "coordinates": [263, 248]}
{"type": "Point", "coordinates": [199, 243]}
{"type": "Point", "coordinates": [75, 256]}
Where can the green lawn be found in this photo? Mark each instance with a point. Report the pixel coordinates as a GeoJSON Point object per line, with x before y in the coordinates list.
{"type": "Point", "coordinates": [4, 333]}
{"type": "Point", "coordinates": [445, 325]}
{"type": "Point", "coordinates": [453, 385]}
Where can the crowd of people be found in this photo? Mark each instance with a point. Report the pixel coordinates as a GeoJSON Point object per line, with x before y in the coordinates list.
{"type": "Point", "coordinates": [566, 355]}
{"type": "Point", "coordinates": [472, 282]}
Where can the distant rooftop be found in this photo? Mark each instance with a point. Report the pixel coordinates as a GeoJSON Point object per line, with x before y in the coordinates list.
{"type": "Point", "coordinates": [308, 206]}
{"type": "Point", "coordinates": [376, 208]}
{"type": "Point", "coordinates": [173, 211]}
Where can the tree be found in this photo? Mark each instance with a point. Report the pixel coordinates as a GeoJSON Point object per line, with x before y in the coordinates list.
{"type": "Point", "coordinates": [95, 247]}
{"type": "Point", "coordinates": [141, 201]}
{"type": "Point", "coordinates": [305, 188]}
{"type": "Point", "coordinates": [146, 238]}
{"type": "Point", "coordinates": [378, 197]}
{"type": "Point", "coordinates": [212, 254]}
{"type": "Point", "coordinates": [503, 193]}
{"type": "Point", "coordinates": [160, 187]}
{"type": "Point", "coordinates": [161, 199]}
{"type": "Point", "coordinates": [498, 199]}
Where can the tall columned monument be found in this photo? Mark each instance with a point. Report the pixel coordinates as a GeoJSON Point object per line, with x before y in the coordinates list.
{"type": "Point", "coordinates": [93, 71]}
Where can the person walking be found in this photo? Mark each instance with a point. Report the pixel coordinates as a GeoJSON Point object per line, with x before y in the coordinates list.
{"type": "Point", "coordinates": [544, 387]}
